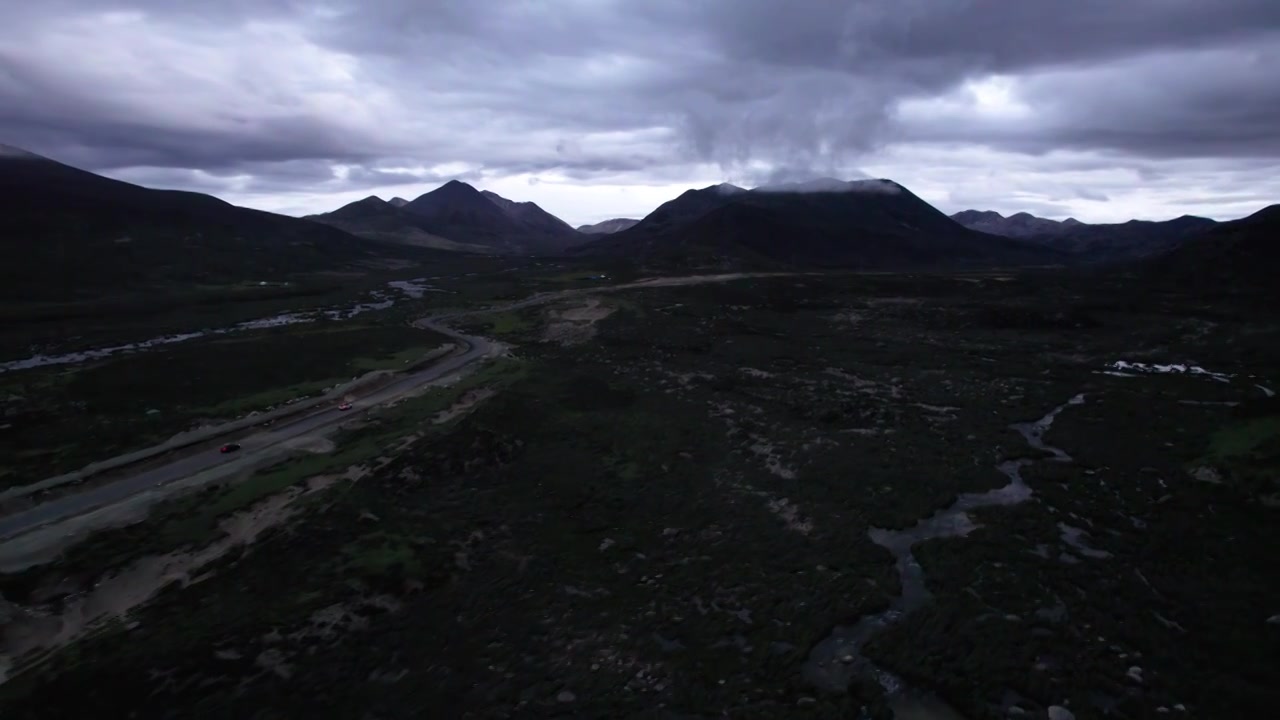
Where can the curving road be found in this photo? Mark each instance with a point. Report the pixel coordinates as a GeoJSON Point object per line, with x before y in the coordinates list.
{"type": "Point", "coordinates": [114, 492]}
{"type": "Point", "coordinates": [259, 443]}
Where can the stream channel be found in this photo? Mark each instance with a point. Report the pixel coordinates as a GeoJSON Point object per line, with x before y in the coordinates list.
{"type": "Point", "coordinates": [836, 660]}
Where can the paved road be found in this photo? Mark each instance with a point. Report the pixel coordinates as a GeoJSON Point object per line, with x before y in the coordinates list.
{"type": "Point", "coordinates": [116, 491]}
{"type": "Point", "coordinates": [72, 505]}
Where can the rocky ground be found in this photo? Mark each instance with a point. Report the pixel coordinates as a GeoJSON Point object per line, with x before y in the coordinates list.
{"type": "Point", "coordinates": [669, 497]}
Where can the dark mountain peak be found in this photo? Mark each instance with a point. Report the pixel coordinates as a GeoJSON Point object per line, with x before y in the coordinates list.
{"type": "Point", "coordinates": [453, 191]}
{"type": "Point", "coordinates": [1018, 225]}
{"type": "Point", "coordinates": [1072, 222]}
{"type": "Point", "coordinates": [529, 214]}
{"type": "Point", "coordinates": [9, 152]}
{"type": "Point", "coordinates": [723, 188]}
{"type": "Point", "coordinates": [1189, 223]}
{"type": "Point", "coordinates": [63, 223]}
{"type": "Point", "coordinates": [370, 207]}
{"type": "Point", "coordinates": [608, 226]}
{"type": "Point", "coordinates": [688, 205]}
{"type": "Point", "coordinates": [505, 203]}
{"type": "Point", "coordinates": [82, 188]}
{"type": "Point", "coordinates": [1228, 256]}
{"type": "Point", "coordinates": [1269, 214]}
{"type": "Point", "coordinates": [967, 216]}
{"type": "Point", "coordinates": [872, 223]}
{"type": "Point", "coordinates": [397, 202]}
{"type": "Point", "coordinates": [454, 194]}
{"type": "Point", "coordinates": [455, 188]}
{"type": "Point", "coordinates": [463, 214]}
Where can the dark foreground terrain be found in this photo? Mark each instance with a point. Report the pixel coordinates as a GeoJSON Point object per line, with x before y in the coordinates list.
{"type": "Point", "coordinates": [663, 502]}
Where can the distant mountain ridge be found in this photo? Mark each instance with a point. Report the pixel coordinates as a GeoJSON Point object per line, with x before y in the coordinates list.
{"type": "Point", "coordinates": [606, 227]}
{"type": "Point", "coordinates": [69, 233]}
{"type": "Point", "coordinates": [1020, 225]}
{"type": "Point", "coordinates": [1233, 256]}
{"type": "Point", "coordinates": [1097, 243]}
{"type": "Point", "coordinates": [456, 216]}
{"type": "Point", "coordinates": [373, 218]}
{"type": "Point", "coordinates": [529, 214]}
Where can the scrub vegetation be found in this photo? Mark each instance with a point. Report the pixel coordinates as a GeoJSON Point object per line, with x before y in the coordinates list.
{"type": "Point", "coordinates": [663, 518]}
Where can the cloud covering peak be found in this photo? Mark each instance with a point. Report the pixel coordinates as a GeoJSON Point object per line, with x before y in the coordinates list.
{"type": "Point", "coordinates": [832, 185]}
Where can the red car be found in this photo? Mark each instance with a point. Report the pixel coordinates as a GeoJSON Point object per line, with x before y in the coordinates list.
{"type": "Point", "coordinates": [344, 406]}
{"type": "Point", "coordinates": [229, 447]}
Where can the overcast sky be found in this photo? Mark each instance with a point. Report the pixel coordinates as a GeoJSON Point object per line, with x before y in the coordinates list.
{"type": "Point", "coordinates": [1100, 109]}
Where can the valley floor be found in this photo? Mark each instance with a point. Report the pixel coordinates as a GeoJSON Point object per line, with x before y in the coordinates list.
{"type": "Point", "coordinates": [665, 500]}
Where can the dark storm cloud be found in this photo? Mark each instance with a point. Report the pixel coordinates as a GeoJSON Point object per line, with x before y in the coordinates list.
{"type": "Point", "coordinates": [1212, 102]}
{"type": "Point", "coordinates": [882, 52]}
{"type": "Point", "coordinates": [274, 92]}
{"type": "Point", "coordinates": [131, 122]}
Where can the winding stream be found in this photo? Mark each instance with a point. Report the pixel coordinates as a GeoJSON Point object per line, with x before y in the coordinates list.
{"type": "Point", "coordinates": [836, 660]}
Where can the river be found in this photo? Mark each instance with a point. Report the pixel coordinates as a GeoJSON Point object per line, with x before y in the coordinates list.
{"type": "Point", "coordinates": [378, 300]}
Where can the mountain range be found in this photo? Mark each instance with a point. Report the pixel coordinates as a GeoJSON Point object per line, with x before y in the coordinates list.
{"type": "Point", "coordinates": [1090, 242]}
{"type": "Point", "coordinates": [69, 233]}
{"type": "Point", "coordinates": [608, 226]}
{"type": "Point", "coordinates": [868, 224]}
{"type": "Point", "coordinates": [1230, 257]}
{"type": "Point", "coordinates": [456, 216]}
{"type": "Point", "coordinates": [1019, 225]}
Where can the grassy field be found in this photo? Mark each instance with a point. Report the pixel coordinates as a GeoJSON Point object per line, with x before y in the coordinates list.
{"type": "Point", "coordinates": [666, 516]}
{"type": "Point", "coordinates": [54, 327]}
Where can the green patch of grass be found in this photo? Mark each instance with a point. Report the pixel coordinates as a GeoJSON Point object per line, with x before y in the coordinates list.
{"type": "Point", "coordinates": [1248, 453]}
{"type": "Point", "coordinates": [588, 392]}
{"type": "Point", "coordinates": [380, 554]}
{"type": "Point", "coordinates": [392, 361]}
{"type": "Point", "coordinates": [355, 446]}
{"type": "Point", "coordinates": [1244, 438]}
{"type": "Point", "coordinates": [627, 305]}
{"type": "Point", "coordinates": [193, 520]}
{"type": "Point", "coordinates": [507, 323]}
{"type": "Point", "coordinates": [416, 413]}
{"type": "Point", "coordinates": [266, 483]}
{"type": "Point", "coordinates": [270, 398]}
{"type": "Point", "coordinates": [625, 470]}
{"type": "Point", "coordinates": [197, 522]}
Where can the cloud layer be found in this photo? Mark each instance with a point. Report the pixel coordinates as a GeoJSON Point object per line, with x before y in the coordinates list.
{"type": "Point", "coordinates": [1103, 110]}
